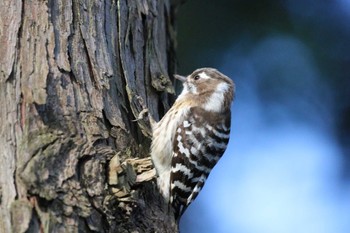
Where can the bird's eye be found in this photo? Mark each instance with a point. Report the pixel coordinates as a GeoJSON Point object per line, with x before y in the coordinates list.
{"type": "Point", "coordinates": [196, 77]}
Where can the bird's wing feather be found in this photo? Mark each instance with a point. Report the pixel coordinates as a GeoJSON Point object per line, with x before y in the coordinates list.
{"type": "Point", "coordinates": [196, 149]}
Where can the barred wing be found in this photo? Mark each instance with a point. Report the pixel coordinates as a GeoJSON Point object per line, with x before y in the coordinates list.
{"type": "Point", "coordinates": [199, 143]}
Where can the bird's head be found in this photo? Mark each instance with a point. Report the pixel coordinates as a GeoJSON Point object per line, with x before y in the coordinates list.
{"type": "Point", "coordinates": [208, 88]}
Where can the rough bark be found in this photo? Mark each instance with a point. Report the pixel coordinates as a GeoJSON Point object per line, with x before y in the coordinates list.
{"type": "Point", "coordinates": [73, 77]}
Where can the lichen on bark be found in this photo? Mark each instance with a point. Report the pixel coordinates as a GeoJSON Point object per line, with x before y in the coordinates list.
{"type": "Point", "coordinates": [74, 77]}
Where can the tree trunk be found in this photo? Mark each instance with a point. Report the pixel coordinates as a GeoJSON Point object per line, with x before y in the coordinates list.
{"type": "Point", "coordinates": [74, 75]}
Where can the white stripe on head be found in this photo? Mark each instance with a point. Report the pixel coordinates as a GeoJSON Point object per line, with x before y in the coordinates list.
{"type": "Point", "coordinates": [203, 75]}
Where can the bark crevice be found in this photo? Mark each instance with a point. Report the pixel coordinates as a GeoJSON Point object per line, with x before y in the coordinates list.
{"type": "Point", "coordinates": [73, 79]}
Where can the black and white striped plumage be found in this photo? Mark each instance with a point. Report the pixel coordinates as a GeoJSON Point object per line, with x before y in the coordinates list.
{"type": "Point", "coordinates": [192, 136]}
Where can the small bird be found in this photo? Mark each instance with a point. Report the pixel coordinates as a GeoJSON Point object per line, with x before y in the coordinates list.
{"type": "Point", "coordinates": [192, 136]}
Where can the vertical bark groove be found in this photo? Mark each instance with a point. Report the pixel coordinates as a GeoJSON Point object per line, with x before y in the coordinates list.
{"type": "Point", "coordinates": [73, 77]}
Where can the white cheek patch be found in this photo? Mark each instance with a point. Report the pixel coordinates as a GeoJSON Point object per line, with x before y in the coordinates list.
{"type": "Point", "coordinates": [203, 75]}
{"type": "Point", "coordinates": [216, 100]}
{"type": "Point", "coordinates": [184, 91]}
{"type": "Point", "coordinates": [188, 88]}
{"type": "Point", "coordinates": [192, 88]}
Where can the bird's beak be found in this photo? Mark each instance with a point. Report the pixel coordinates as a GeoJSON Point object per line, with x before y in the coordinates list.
{"type": "Point", "coordinates": [181, 78]}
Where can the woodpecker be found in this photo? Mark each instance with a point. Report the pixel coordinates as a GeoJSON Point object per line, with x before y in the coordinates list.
{"type": "Point", "coordinates": [192, 136]}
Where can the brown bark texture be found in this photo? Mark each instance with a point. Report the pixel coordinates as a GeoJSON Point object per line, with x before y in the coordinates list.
{"type": "Point", "coordinates": [74, 75]}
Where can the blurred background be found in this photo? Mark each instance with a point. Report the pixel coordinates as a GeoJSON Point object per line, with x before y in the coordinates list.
{"type": "Point", "coordinates": [287, 167]}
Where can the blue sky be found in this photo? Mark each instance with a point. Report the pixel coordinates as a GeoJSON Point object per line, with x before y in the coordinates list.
{"type": "Point", "coordinates": [281, 171]}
